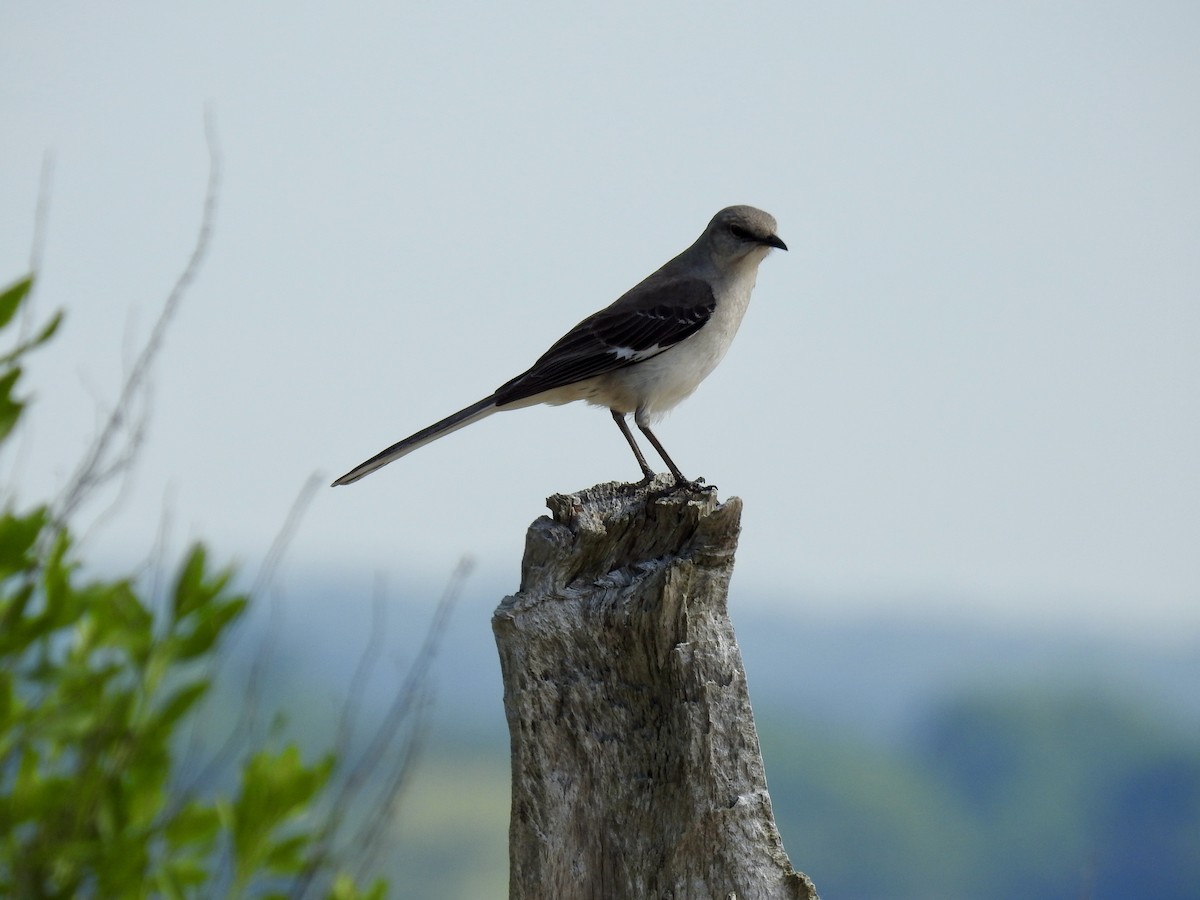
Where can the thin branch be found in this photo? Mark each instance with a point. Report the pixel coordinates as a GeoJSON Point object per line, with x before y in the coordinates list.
{"type": "Point", "coordinates": [323, 840]}
{"type": "Point", "coordinates": [102, 462]}
{"type": "Point", "coordinates": [372, 832]}
{"type": "Point", "coordinates": [247, 721]}
{"type": "Point", "coordinates": [416, 675]}
{"type": "Point", "coordinates": [362, 673]}
{"type": "Point", "coordinates": [152, 570]}
{"type": "Point", "coordinates": [128, 453]}
{"type": "Point", "coordinates": [410, 706]}
{"type": "Point", "coordinates": [41, 216]}
{"type": "Point", "coordinates": [285, 535]}
{"type": "Point", "coordinates": [407, 703]}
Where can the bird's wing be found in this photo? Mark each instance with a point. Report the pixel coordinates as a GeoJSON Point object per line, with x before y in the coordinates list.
{"type": "Point", "coordinates": [650, 318]}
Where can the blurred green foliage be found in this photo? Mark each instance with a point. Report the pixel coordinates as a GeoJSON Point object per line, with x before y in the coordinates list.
{"type": "Point", "coordinates": [96, 683]}
{"type": "Point", "coordinates": [1045, 792]}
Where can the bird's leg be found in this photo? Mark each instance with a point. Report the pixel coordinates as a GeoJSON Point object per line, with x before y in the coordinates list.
{"type": "Point", "coordinates": [647, 472]}
{"type": "Point", "coordinates": [680, 481]}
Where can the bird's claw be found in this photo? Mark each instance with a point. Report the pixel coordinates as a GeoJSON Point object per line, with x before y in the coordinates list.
{"type": "Point", "coordinates": [698, 486]}
{"type": "Point", "coordinates": [680, 484]}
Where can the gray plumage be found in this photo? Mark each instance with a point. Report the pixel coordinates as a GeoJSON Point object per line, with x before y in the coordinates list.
{"type": "Point", "coordinates": [645, 352]}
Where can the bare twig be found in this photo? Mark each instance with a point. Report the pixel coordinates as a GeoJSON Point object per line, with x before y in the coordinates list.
{"type": "Point", "coordinates": [41, 215]}
{"type": "Point", "coordinates": [105, 459]}
{"type": "Point", "coordinates": [126, 456]}
{"type": "Point", "coordinates": [371, 833]}
{"type": "Point", "coordinates": [418, 673]}
{"type": "Point", "coordinates": [152, 570]}
{"type": "Point", "coordinates": [410, 703]}
{"type": "Point", "coordinates": [407, 713]}
{"type": "Point", "coordinates": [362, 672]}
{"type": "Point", "coordinates": [247, 722]}
{"type": "Point", "coordinates": [285, 535]}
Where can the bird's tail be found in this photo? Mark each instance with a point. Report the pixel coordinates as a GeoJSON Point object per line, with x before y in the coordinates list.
{"type": "Point", "coordinates": [460, 419]}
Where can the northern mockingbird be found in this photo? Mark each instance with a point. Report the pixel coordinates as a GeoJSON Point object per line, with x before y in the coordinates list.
{"type": "Point", "coordinates": [643, 354]}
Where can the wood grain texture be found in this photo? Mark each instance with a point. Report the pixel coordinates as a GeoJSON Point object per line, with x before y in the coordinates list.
{"type": "Point", "coordinates": [635, 763]}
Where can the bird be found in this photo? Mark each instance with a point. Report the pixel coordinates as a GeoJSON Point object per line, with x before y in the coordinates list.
{"type": "Point", "coordinates": [642, 354]}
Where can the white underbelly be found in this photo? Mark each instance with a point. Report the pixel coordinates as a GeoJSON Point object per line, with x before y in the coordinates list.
{"type": "Point", "coordinates": [655, 385]}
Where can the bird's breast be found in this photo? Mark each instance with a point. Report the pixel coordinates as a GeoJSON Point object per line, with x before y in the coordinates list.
{"type": "Point", "coordinates": [657, 384]}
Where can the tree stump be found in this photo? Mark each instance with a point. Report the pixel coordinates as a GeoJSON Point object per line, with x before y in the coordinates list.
{"type": "Point", "coordinates": [636, 770]}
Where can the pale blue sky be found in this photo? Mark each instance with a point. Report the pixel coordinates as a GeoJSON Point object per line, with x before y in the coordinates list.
{"type": "Point", "coordinates": [970, 388]}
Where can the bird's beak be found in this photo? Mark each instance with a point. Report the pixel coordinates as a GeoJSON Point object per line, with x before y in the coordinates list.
{"type": "Point", "coordinates": [773, 240]}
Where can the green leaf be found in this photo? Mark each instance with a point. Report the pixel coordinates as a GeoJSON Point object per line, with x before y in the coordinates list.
{"type": "Point", "coordinates": [208, 627]}
{"type": "Point", "coordinates": [11, 297]}
{"type": "Point", "coordinates": [275, 788]}
{"type": "Point", "coordinates": [47, 332]}
{"type": "Point", "coordinates": [287, 856]}
{"type": "Point", "coordinates": [37, 340]}
{"type": "Point", "coordinates": [8, 704]}
{"type": "Point", "coordinates": [179, 874]}
{"type": "Point", "coordinates": [10, 409]}
{"type": "Point", "coordinates": [17, 537]}
{"type": "Point", "coordinates": [190, 590]}
{"type": "Point", "coordinates": [179, 703]}
{"type": "Point", "coordinates": [142, 799]}
{"type": "Point", "coordinates": [194, 825]}
{"type": "Point", "coordinates": [344, 888]}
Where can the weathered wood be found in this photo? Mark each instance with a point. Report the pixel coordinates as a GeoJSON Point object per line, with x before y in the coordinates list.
{"type": "Point", "coordinates": [635, 763]}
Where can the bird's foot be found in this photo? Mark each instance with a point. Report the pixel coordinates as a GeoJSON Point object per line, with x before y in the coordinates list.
{"type": "Point", "coordinates": [647, 477]}
{"type": "Point", "coordinates": [697, 487]}
{"type": "Point", "coordinates": [682, 484]}
{"type": "Point", "coordinates": [633, 487]}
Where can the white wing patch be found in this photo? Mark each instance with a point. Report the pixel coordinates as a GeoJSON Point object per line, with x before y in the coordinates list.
{"type": "Point", "coordinates": [628, 354]}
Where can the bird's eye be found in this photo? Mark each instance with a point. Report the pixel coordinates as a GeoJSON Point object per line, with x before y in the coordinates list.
{"type": "Point", "coordinates": [740, 233]}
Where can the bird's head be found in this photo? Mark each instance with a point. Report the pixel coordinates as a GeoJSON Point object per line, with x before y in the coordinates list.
{"type": "Point", "coordinates": [739, 234]}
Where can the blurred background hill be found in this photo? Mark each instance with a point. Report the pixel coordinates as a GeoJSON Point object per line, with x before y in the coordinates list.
{"type": "Point", "coordinates": [907, 757]}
